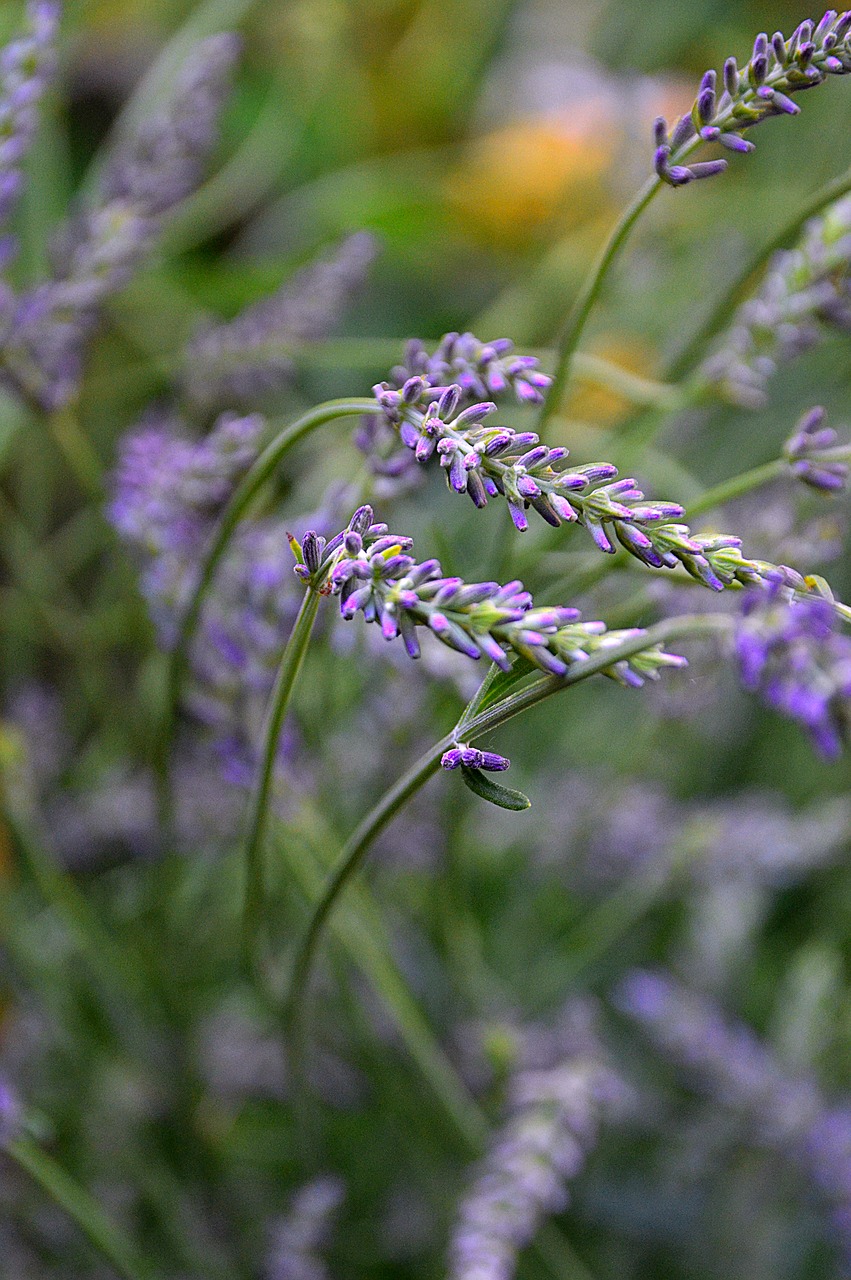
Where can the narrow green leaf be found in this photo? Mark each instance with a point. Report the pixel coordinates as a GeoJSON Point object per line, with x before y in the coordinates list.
{"type": "Point", "coordinates": [487, 789]}
{"type": "Point", "coordinates": [494, 690]}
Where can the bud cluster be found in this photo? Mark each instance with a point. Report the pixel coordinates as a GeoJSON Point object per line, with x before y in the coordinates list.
{"type": "Point", "coordinates": [811, 453]}
{"type": "Point", "coordinates": [483, 461]}
{"type": "Point", "coordinates": [746, 96]}
{"type": "Point", "coordinates": [480, 369]}
{"type": "Point", "coordinates": [373, 573]}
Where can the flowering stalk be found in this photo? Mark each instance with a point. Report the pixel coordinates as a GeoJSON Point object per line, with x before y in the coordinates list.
{"type": "Point", "coordinates": [810, 455]}
{"type": "Point", "coordinates": [27, 67]}
{"type": "Point", "coordinates": [483, 461]}
{"type": "Point", "coordinates": [805, 291]}
{"type": "Point", "coordinates": [777, 69]}
{"type": "Point", "coordinates": [152, 172]}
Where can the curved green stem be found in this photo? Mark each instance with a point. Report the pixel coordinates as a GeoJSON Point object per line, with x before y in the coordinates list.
{"type": "Point", "coordinates": [76, 1201]}
{"type": "Point", "coordinates": [572, 332]}
{"type": "Point", "coordinates": [291, 661]}
{"type": "Point", "coordinates": [727, 303]}
{"type": "Point", "coordinates": [469, 727]}
{"type": "Point", "coordinates": [243, 495]}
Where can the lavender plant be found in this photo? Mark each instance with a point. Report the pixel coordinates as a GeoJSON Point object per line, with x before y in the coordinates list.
{"type": "Point", "coordinates": [196, 1090]}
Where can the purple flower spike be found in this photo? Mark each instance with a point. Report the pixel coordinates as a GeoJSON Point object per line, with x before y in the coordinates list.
{"type": "Point", "coordinates": [156, 168]}
{"type": "Point", "coordinates": [791, 653]}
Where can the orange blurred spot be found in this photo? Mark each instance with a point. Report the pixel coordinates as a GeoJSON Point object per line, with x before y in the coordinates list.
{"type": "Point", "coordinates": [515, 181]}
{"type": "Point", "coordinates": [600, 405]}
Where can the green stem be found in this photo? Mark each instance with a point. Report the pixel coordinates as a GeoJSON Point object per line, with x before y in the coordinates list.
{"type": "Point", "coordinates": [243, 495]}
{"type": "Point", "coordinates": [357, 847]}
{"type": "Point", "coordinates": [737, 486]}
{"type": "Point", "coordinates": [76, 1201]}
{"type": "Point", "coordinates": [78, 452]}
{"type": "Point", "coordinates": [291, 662]}
{"type": "Point", "coordinates": [727, 303]}
{"type": "Point", "coordinates": [351, 857]}
{"type": "Point", "coordinates": [572, 332]}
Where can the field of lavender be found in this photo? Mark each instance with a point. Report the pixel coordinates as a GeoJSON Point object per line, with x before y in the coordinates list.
{"type": "Point", "coordinates": [425, 621]}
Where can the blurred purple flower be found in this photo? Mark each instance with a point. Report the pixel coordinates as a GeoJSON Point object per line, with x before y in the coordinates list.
{"type": "Point", "coordinates": [155, 168]}
{"type": "Point", "coordinates": [250, 357]}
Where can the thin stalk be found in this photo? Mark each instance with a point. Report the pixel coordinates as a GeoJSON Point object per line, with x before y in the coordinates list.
{"type": "Point", "coordinates": [469, 727]}
{"type": "Point", "coordinates": [736, 487]}
{"type": "Point", "coordinates": [291, 661]}
{"type": "Point", "coordinates": [78, 452]}
{"type": "Point", "coordinates": [572, 332]}
{"type": "Point", "coordinates": [244, 494]}
{"type": "Point", "coordinates": [729, 300]}
{"type": "Point", "coordinates": [75, 1200]}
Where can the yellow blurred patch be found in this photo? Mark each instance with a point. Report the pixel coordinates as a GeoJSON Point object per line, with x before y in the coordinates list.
{"type": "Point", "coordinates": [515, 181]}
{"type": "Point", "coordinates": [602, 406]}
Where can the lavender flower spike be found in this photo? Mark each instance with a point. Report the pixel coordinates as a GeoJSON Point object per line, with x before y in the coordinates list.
{"type": "Point", "coordinates": [778, 69]}
{"type": "Point", "coordinates": [791, 653]}
{"type": "Point", "coordinates": [297, 1238]}
{"type": "Point", "coordinates": [484, 460]}
{"type": "Point", "coordinates": [251, 356]}
{"type": "Point", "coordinates": [555, 1112]}
{"type": "Point", "coordinates": [27, 66]}
{"type": "Point", "coordinates": [373, 572]}
{"type": "Point", "coordinates": [731, 1065]}
{"type": "Point", "coordinates": [805, 291]}
{"type": "Point", "coordinates": [156, 169]}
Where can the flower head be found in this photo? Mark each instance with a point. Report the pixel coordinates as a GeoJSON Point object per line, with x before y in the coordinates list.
{"type": "Point", "coordinates": [808, 454]}
{"type": "Point", "coordinates": [246, 359]}
{"type": "Point", "coordinates": [373, 573]}
{"type": "Point", "coordinates": [723, 112]}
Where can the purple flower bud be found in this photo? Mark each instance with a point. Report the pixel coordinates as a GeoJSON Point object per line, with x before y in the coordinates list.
{"type": "Point", "coordinates": [660, 131]}
{"type": "Point", "coordinates": [361, 520]}
{"type": "Point", "coordinates": [824, 27]}
{"type": "Point", "coordinates": [731, 77]}
{"type": "Point", "coordinates": [843, 25]}
{"type": "Point", "coordinates": [733, 142]}
{"type": "Point", "coordinates": [778, 44]}
{"type": "Point", "coordinates": [660, 161]}
{"type": "Point", "coordinates": [448, 402]}
{"type": "Point", "coordinates": [707, 168]}
{"type": "Point", "coordinates": [684, 131]}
